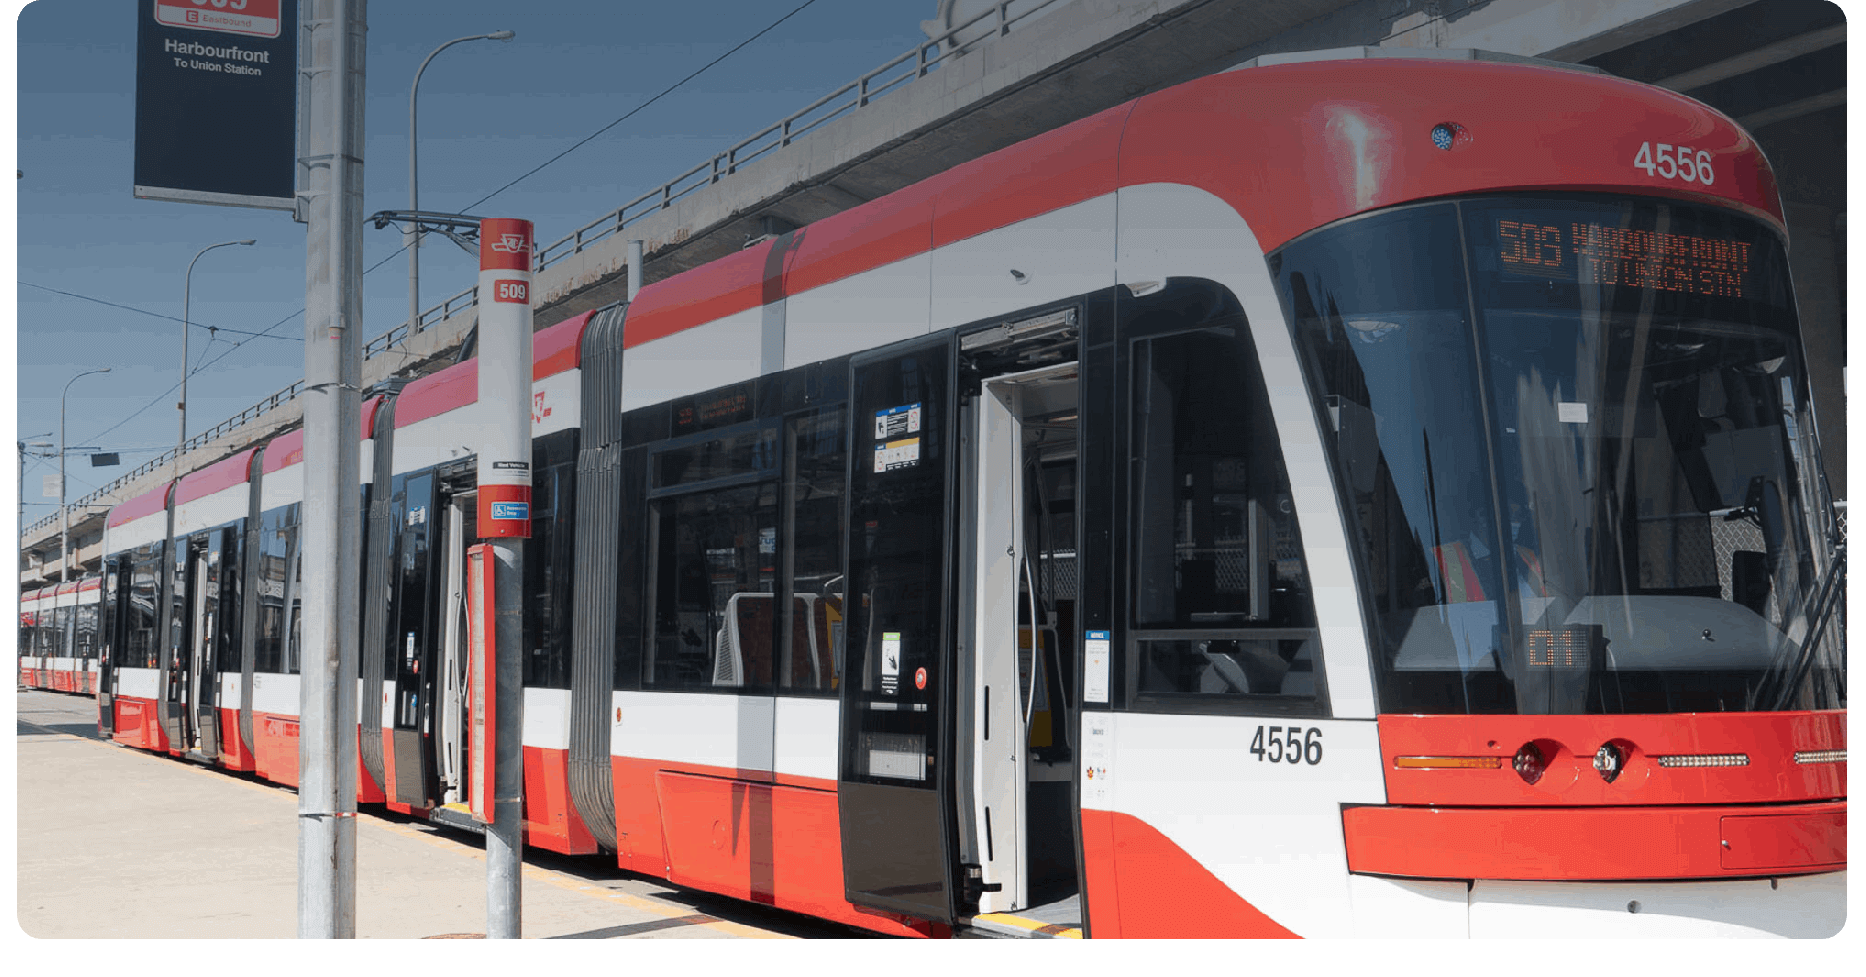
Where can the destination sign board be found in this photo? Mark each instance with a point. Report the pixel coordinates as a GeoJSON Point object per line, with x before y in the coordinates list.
{"type": "Point", "coordinates": [217, 102]}
{"type": "Point", "coordinates": [1595, 254]}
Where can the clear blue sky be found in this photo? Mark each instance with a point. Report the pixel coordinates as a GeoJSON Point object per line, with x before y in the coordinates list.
{"type": "Point", "coordinates": [489, 112]}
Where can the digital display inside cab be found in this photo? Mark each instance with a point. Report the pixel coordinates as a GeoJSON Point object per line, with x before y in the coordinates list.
{"type": "Point", "coordinates": [1595, 254]}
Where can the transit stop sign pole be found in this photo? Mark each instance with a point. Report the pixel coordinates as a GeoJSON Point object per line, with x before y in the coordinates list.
{"type": "Point", "coordinates": [505, 522]}
{"type": "Point", "coordinates": [332, 491]}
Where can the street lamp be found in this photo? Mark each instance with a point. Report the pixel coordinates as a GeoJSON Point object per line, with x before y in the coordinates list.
{"type": "Point", "coordinates": [19, 558]}
{"type": "Point", "coordinates": [414, 184]}
{"type": "Point", "coordinates": [64, 515]}
{"type": "Point", "coordinates": [187, 283]}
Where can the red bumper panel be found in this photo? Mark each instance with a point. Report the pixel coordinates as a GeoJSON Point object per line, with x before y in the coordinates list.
{"type": "Point", "coordinates": [1595, 843]}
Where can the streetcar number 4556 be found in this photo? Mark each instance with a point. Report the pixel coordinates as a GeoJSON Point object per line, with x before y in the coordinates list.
{"type": "Point", "coordinates": [1675, 162]}
{"type": "Point", "coordinates": [1287, 744]}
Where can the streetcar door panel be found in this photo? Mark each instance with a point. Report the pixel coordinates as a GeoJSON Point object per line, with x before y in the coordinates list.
{"type": "Point", "coordinates": [177, 664]}
{"type": "Point", "coordinates": [991, 749]}
{"type": "Point", "coordinates": [1016, 600]}
{"type": "Point", "coordinates": [896, 788]}
{"type": "Point", "coordinates": [413, 699]}
{"type": "Point", "coordinates": [204, 607]}
{"type": "Point", "coordinates": [110, 639]}
{"type": "Point", "coordinates": [450, 676]}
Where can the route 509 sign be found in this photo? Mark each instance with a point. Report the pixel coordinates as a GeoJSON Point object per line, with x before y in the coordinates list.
{"type": "Point", "coordinates": [254, 18]}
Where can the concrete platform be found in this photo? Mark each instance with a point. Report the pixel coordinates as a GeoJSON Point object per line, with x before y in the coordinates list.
{"type": "Point", "coordinates": [114, 842]}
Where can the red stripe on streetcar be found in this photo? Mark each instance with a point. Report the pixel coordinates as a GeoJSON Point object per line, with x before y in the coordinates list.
{"type": "Point", "coordinates": [369, 416]}
{"type": "Point", "coordinates": [880, 232]}
{"type": "Point", "coordinates": [736, 833]}
{"type": "Point", "coordinates": [1569, 744]}
{"type": "Point", "coordinates": [551, 820]}
{"type": "Point", "coordinates": [1064, 166]}
{"type": "Point", "coordinates": [1594, 844]}
{"type": "Point", "coordinates": [559, 347]}
{"type": "Point", "coordinates": [150, 502]}
{"type": "Point", "coordinates": [1165, 893]}
{"type": "Point", "coordinates": [438, 393]}
{"type": "Point", "coordinates": [715, 290]}
{"type": "Point", "coordinates": [285, 451]}
{"type": "Point", "coordinates": [554, 350]}
{"type": "Point", "coordinates": [223, 474]}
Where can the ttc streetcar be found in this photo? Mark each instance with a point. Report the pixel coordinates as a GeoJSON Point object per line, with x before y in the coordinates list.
{"type": "Point", "coordinates": [1344, 495]}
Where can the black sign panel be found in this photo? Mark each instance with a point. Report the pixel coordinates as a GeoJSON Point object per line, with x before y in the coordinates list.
{"type": "Point", "coordinates": [217, 101]}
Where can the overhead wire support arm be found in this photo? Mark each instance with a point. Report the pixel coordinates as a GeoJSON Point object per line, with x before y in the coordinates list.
{"type": "Point", "coordinates": [461, 229]}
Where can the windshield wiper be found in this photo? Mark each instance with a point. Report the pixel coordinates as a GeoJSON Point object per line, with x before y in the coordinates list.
{"type": "Point", "coordinates": [1826, 602]}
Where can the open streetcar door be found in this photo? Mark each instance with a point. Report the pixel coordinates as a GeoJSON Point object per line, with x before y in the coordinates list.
{"type": "Point", "coordinates": [110, 639]}
{"type": "Point", "coordinates": [207, 552]}
{"type": "Point", "coordinates": [411, 769]}
{"type": "Point", "coordinates": [895, 776]}
{"type": "Point", "coordinates": [177, 660]}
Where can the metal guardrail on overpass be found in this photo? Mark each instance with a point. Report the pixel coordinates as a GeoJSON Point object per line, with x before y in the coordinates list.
{"type": "Point", "coordinates": [995, 21]}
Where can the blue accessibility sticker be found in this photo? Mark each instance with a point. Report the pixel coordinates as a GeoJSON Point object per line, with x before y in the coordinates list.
{"type": "Point", "coordinates": [511, 510]}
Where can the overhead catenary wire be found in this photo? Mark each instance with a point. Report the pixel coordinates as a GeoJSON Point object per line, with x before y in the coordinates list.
{"type": "Point", "coordinates": [177, 384]}
{"type": "Point", "coordinates": [158, 315]}
{"type": "Point", "coordinates": [266, 333]}
{"type": "Point", "coordinates": [586, 139]}
{"type": "Point", "coordinates": [631, 112]}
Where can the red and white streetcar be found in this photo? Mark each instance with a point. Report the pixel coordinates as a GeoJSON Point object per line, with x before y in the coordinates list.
{"type": "Point", "coordinates": [1344, 495]}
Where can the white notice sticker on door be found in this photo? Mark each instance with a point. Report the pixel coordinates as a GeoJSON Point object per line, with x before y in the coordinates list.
{"type": "Point", "coordinates": [1097, 760]}
{"type": "Point", "coordinates": [1569, 412]}
{"type": "Point", "coordinates": [1095, 679]}
{"type": "Point", "coordinates": [890, 661]}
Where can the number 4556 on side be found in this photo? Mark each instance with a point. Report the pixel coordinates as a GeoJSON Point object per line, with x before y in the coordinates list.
{"type": "Point", "coordinates": [1287, 744]}
{"type": "Point", "coordinates": [1675, 162]}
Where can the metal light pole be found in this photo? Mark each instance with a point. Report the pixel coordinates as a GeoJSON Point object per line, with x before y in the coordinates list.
{"type": "Point", "coordinates": [19, 545]}
{"type": "Point", "coordinates": [414, 183]}
{"type": "Point", "coordinates": [64, 515]}
{"type": "Point", "coordinates": [187, 283]}
{"type": "Point", "coordinates": [327, 690]}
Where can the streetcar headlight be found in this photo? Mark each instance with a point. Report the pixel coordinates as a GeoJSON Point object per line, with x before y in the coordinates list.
{"type": "Point", "coordinates": [1530, 763]}
{"type": "Point", "coordinates": [1450, 135]}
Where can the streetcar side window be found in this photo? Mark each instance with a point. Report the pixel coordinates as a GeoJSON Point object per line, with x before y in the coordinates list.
{"type": "Point", "coordinates": [744, 526]}
{"type": "Point", "coordinates": [61, 632]}
{"type": "Point", "coordinates": [1221, 605]}
{"type": "Point", "coordinates": [548, 561]}
{"type": "Point", "coordinates": [810, 648]}
{"type": "Point", "coordinates": [278, 538]}
{"type": "Point", "coordinates": [139, 640]}
{"type": "Point", "coordinates": [713, 562]}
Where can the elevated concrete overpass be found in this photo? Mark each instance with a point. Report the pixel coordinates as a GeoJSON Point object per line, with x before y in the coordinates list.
{"type": "Point", "coordinates": [1778, 66]}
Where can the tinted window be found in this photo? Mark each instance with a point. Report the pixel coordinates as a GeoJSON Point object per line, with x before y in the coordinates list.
{"type": "Point", "coordinates": [1221, 599]}
{"type": "Point", "coordinates": [811, 650]}
{"type": "Point", "coordinates": [549, 559]}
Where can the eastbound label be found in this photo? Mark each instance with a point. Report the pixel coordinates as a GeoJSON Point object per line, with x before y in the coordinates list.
{"type": "Point", "coordinates": [254, 18]}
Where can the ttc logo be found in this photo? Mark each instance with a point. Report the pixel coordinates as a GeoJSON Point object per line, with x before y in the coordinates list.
{"type": "Point", "coordinates": [539, 411]}
{"type": "Point", "coordinates": [509, 243]}
{"type": "Point", "coordinates": [511, 290]}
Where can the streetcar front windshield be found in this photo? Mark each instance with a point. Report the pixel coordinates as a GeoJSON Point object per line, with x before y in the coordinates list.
{"type": "Point", "coordinates": [1575, 442]}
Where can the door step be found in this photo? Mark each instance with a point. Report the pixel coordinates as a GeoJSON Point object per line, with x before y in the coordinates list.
{"type": "Point", "coordinates": [1011, 926]}
{"type": "Point", "coordinates": [456, 816]}
{"type": "Point", "coordinates": [1058, 920]}
{"type": "Point", "coordinates": [196, 756]}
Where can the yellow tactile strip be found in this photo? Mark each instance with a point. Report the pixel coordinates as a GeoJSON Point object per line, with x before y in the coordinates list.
{"type": "Point", "coordinates": [1028, 928]}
